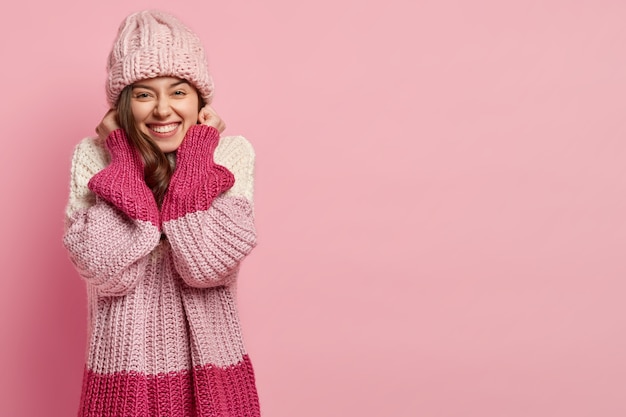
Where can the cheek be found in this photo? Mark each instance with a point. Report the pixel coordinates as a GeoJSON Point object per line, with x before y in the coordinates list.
{"type": "Point", "coordinates": [192, 118]}
{"type": "Point", "coordinates": [192, 113]}
{"type": "Point", "coordinates": [192, 108]}
{"type": "Point", "coordinates": [139, 111]}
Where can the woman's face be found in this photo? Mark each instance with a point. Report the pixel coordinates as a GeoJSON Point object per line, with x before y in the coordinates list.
{"type": "Point", "coordinates": [164, 108]}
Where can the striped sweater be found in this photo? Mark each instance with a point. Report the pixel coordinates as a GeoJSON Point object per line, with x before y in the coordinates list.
{"type": "Point", "coordinates": [163, 330]}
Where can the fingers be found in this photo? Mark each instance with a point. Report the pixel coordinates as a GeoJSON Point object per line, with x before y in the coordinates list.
{"type": "Point", "coordinates": [107, 124]}
{"type": "Point", "coordinates": [209, 117]}
{"type": "Point", "coordinates": [201, 116]}
{"type": "Point", "coordinates": [221, 126]}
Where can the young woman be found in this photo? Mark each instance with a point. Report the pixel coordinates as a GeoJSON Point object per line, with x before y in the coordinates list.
{"type": "Point", "coordinates": [158, 221]}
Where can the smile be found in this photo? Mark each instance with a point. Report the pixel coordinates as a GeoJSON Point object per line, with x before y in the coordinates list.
{"type": "Point", "coordinates": [164, 129]}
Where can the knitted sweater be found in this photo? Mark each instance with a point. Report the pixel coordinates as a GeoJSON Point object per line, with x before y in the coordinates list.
{"type": "Point", "coordinates": [163, 330]}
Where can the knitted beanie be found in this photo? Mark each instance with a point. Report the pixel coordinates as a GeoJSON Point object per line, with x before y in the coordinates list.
{"type": "Point", "coordinates": [154, 44]}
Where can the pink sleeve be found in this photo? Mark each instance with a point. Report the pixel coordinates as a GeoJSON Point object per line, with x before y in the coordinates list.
{"type": "Point", "coordinates": [122, 183]}
{"type": "Point", "coordinates": [208, 245]}
{"type": "Point", "coordinates": [106, 244]}
{"type": "Point", "coordinates": [210, 237]}
{"type": "Point", "coordinates": [108, 248]}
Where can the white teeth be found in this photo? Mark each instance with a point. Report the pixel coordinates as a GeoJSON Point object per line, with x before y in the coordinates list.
{"type": "Point", "coordinates": [165, 128]}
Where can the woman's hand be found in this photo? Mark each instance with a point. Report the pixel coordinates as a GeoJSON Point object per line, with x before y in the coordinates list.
{"type": "Point", "coordinates": [208, 116]}
{"type": "Point", "coordinates": [108, 124]}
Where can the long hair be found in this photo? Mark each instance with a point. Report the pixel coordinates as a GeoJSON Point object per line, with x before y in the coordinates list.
{"type": "Point", "coordinates": [157, 169]}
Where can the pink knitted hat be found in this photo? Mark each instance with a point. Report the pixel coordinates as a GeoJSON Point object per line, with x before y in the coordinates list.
{"type": "Point", "coordinates": [153, 44]}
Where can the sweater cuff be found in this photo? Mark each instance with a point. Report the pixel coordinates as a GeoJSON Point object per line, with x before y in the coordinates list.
{"type": "Point", "coordinates": [199, 143]}
{"type": "Point", "coordinates": [197, 180]}
{"type": "Point", "coordinates": [183, 198]}
{"type": "Point", "coordinates": [131, 196]}
{"type": "Point", "coordinates": [121, 183]}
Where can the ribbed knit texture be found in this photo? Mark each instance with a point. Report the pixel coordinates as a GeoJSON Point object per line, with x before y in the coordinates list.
{"type": "Point", "coordinates": [164, 333]}
{"type": "Point", "coordinates": [197, 179]}
{"type": "Point", "coordinates": [122, 184]}
{"type": "Point", "coordinates": [151, 44]}
{"type": "Point", "coordinates": [219, 237]}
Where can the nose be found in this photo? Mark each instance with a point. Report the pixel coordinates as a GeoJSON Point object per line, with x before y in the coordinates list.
{"type": "Point", "coordinates": [162, 108]}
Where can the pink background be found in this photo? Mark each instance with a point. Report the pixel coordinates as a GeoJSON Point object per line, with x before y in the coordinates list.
{"type": "Point", "coordinates": [441, 200]}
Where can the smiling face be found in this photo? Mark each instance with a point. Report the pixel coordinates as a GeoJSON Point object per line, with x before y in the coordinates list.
{"type": "Point", "coordinates": [164, 108]}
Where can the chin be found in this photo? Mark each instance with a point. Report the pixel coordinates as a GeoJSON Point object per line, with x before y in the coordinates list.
{"type": "Point", "coordinates": [169, 146]}
{"type": "Point", "coordinates": [169, 149]}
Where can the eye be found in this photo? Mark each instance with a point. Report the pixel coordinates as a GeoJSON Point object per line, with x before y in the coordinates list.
{"type": "Point", "coordinates": [142, 95]}
{"type": "Point", "coordinates": [179, 93]}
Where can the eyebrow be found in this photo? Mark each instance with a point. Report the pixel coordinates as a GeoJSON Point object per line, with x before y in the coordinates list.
{"type": "Point", "coordinates": [177, 83]}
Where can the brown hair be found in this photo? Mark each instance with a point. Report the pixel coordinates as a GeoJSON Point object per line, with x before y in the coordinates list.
{"type": "Point", "coordinates": [157, 169]}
